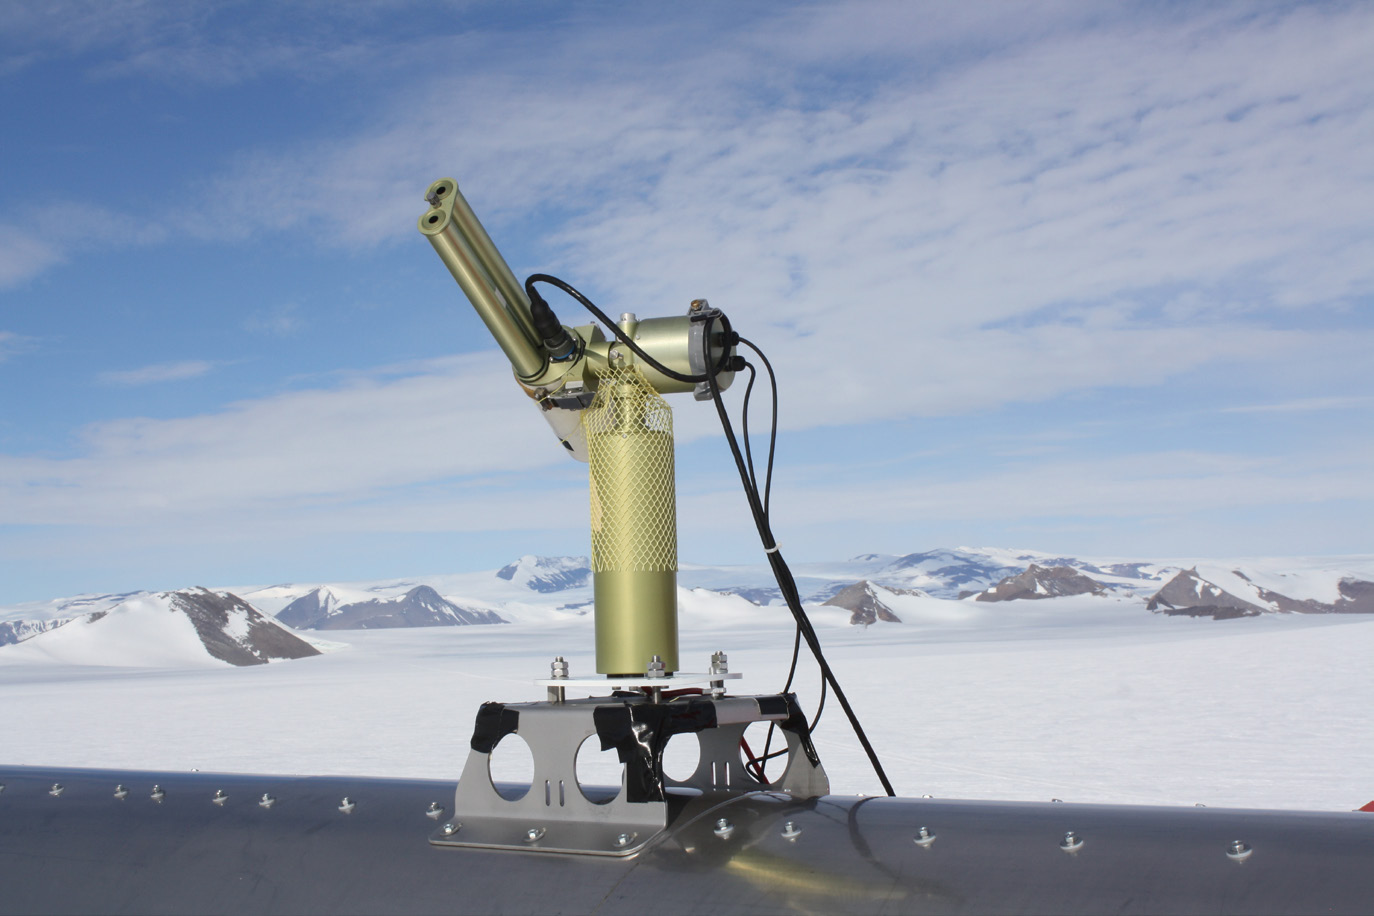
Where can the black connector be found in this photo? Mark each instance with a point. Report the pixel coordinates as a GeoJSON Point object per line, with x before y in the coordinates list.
{"type": "Point", "coordinates": [557, 341]}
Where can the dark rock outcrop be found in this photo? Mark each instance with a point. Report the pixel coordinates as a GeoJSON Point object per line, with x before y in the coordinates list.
{"type": "Point", "coordinates": [1357, 597]}
{"type": "Point", "coordinates": [1042, 582]}
{"type": "Point", "coordinates": [234, 631]}
{"type": "Point", "coordinates": [1188, 594]}
{"type": "Point", "coordinates": [864, 603]}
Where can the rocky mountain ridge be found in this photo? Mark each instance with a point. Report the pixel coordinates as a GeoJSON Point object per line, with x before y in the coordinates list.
{"type": "Point", "coordinates": [422, 606]}
{"type": "Point", "coordinates": [873, 588]}
{"type": "Point", "coordinates": [1040, 582]}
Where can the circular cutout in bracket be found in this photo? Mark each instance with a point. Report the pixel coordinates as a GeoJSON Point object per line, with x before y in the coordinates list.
{"type": "Point", "coordinates": [511, 767]}
{"type": "Point", "coordinates": [756, 737]}
{"type": "Point", "coordinates": [682, 756]}
{"type": "Point", "coordinates": [600, 774]}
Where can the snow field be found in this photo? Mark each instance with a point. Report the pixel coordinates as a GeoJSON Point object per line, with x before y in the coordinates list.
{"type": "Point", "coordinates": [1083, 699]}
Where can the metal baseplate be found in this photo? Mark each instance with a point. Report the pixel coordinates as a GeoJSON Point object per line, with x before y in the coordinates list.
{"type": "Point", "coordinates": [557, 814]}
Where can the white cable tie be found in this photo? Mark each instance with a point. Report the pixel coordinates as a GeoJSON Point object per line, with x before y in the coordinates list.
{"type": "Point", "coordinates": [774, 549]}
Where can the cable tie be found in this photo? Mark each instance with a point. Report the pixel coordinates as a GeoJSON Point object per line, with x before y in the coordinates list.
{"type": "Point", "coordinates": [774, 549]}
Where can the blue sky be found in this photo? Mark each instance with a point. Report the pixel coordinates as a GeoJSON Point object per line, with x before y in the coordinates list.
{"type": "Point", "coordinates": [1081, 278]}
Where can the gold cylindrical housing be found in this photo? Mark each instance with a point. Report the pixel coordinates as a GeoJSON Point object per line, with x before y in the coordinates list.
{"type": "Point", "coordinates": [517, 303]}
{"type": "Point", "coordinates": [629, 432]}
{"type": "Point", "coordinates": [442, 230]}
{"type": "Point", "coordinates": [676, 343]}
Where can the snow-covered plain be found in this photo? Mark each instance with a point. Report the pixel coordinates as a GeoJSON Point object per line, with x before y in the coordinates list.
{"type": "Point", "coordinates": [1086, 699]}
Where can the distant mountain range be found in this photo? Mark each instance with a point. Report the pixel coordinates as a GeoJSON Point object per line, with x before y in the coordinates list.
{"type": "Point", "coordinates": [323, 609]}
{"type": "Point", "coordinates": [874, 588]}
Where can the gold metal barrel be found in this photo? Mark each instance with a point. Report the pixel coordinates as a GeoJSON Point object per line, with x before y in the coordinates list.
{"type": "Point", "coordinates": [634, 524]}
{"type": "Point", "coordinates": [473, 259]}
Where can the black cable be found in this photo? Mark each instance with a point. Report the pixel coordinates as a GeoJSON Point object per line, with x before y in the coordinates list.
{"type": "Point", "coordinates": [786, 583]}
{"type": "Point", "coordinates": [615, 329]}
{"type": "Point", "coordinates": [773, 431]}
{"type": "Point", "coordinates": [768, 754]}
{"type": "Point", "coordinates": [744, 416]}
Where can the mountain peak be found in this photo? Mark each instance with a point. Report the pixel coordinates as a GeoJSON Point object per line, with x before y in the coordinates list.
{"type": "Point", "coordinates": [547, 574]}
{"type": "Point", "coordinates": [1189, 594]}
{"type": "Point", "coordinates": [171, 629]}
{"type": "Point", "coordinates": [865, 602]}
{"type": "Point", "coordinates": [1042, 582]}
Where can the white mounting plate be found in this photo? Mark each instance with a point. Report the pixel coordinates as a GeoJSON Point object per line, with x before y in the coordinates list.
{"type": "Point", "coordinates": [635, 681]}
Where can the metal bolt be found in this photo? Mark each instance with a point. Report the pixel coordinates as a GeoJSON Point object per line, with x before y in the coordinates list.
{"type": "Point", "coordinates": [719, 663]}
{"type": "Point", "coordinates": [56, 790]}
{"type": "Point", "coordinates": [656, 668]}
{"type": "Point", "coordinates": [534, 834]}
{"type": "Point", "coordinates": [1071, 842]}
{"type": "Point", "coordinates": [347, 805]}
{"type": "Point", "coordinates": [435, 811]}
{"type": "Point", "coordinates": [121, 792]}
{"type": "Point", "coordinates": [157, 794]}
{"type": "Point", "coordinates": [790, 831]}
{"type": "Point", "coordinates": [699, 304]}
{"type": "Point", "coordinates": [220, 798]}
{"type": "Point", "coordinates": [625, 839]}
{"type": "Point", "coordinates": [923, 837]}
{"type": "Point", "coordinates": [559, 667]}
{"type": "Point", "coordinates": [628, 316]}
{"type": "Point", "coordinates": [450, 828]}
{"type": "Point", "coordinates": [614, 353]}
{"type": "Point", "coordinates": [1238, 851]}
{"type": "Point", "coordinates": [267, 800]}
{"type": "Point", "coordinates": [723, 828]}
{"type": "Point", "coordinates": [1059, 800]}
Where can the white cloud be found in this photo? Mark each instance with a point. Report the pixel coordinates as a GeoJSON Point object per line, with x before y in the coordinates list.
{"type": "Point", "coordinates": [1187, 488]}
{"type": "Point", "coordinates": [464, 417]}
{"type": "Point", "coordinates": [280, 321]}
{"type": "Point", "coordinates": [160, 372]}
{"type": "Point", "coordinates": [1303, 405]}
{"type": "Point", "coordinates": [10, 344]}
{"type": "Point", "coordinates": [1106, 200]}
{"type": "Point", "coordinates": [23, 255]}
{"type": "Point", "coordinates": [212, 44]}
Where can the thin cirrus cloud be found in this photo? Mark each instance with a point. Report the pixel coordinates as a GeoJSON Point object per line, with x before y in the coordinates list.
{"type": "Point", "coordinates": [10, 344]}
{"type": "Point", "coordinates": [1304, 405]}
{"type": "Point", "coordinates": [317, 446]}
{"type": "Point", "coordinates": [23, 255]}
{"type": "Point", "coordinates": [157, 373]}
